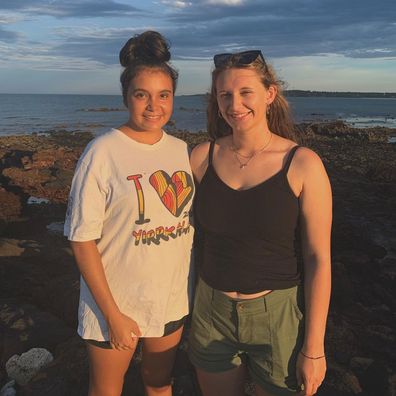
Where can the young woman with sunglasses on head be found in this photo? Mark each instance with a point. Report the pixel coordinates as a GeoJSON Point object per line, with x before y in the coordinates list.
{"type": "Point", "coordinates": [260, 199]}
{"type": "Point", "coordinates": [128, 220]}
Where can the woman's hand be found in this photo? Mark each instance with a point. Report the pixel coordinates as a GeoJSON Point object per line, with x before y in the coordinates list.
{"type": "Point", "coordinates": [310, 373]}
{"type": "Point", "coordinates": [124, 332]}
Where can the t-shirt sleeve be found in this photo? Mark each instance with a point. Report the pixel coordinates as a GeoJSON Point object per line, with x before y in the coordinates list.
{"type": "Point", "coordinates": [86, 206]}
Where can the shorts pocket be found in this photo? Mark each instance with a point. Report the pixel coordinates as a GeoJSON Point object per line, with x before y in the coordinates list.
{"type": "Point", "coordinates": [297, 311]}
{"type": "Point", "coordinates": [202, 322]}
{"type": "Point", "coordinates": [287, 329]}
{"type": "Point", "coordinates": [298, 303]}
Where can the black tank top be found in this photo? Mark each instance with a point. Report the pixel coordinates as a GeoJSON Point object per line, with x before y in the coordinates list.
{"type": "Point", "coordinates": [248, 236]}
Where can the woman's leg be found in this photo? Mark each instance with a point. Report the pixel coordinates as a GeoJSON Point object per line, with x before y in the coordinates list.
{"type": "Point", "coordinates": [260, 391]}
{"type": "Point", "coordinates": [107, 368]}
{"type": "Point", "coordinates": [213, 344]}
{"type": "Point", "coordinates": [157, 363]}
{"type": "Point", "coordinates": [230, 382]}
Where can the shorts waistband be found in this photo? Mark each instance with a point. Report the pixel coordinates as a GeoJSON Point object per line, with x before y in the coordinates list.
{"type": "Point", "coordinates": [268, 301]}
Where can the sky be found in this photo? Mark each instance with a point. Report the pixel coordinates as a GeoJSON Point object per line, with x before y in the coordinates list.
{"type": "Point", "coordinates": [72, 46]}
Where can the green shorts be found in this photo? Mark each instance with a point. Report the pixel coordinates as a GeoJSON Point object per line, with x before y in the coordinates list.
{"type": "Point", "coordinates": [265, 333]}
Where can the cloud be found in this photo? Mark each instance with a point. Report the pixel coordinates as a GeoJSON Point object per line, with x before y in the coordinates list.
{"type": "Point", "coordinates": [183, 4]}
{"type": "Point", "coordinates": [198, 29]}
{"type": "Point", "coordinates": [93, 43]}
{"type": "Point", "coordinates": [8, 36]}
{"type": "Point", "coordinates": [177, 3]}
{"type": "Point", "coordinates": [286, 28]}
{"type": "Point", "coordinates": [225, 2]}
{"type": "Point", "coordinates": [10, 18]}
{"type": "Point", "coordinates": [70, 8]}
{"type": "Point", "coordinates": [203, 39]}
{"type": "Point", "coordinates": [41, 58]}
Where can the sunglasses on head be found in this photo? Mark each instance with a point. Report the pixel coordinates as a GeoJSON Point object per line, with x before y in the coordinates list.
{"type": "Point", "coordinates": [238, 58]}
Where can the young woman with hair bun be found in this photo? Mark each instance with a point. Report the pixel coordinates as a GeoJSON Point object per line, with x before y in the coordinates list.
{"type": "Point", "coordinates": [128, 223]}
{"type": "Point", "coordinates": [260, 200]}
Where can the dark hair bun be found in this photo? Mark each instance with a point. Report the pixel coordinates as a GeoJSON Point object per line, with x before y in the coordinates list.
{"type": "Point", "coordinates": [149, 47]}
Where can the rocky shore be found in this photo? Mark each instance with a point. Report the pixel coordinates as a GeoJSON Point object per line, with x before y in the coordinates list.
{"type": "Point", "coordinates": [39, 282]}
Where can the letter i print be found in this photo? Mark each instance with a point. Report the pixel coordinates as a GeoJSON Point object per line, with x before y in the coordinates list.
{"type": "Point", "coordinates": [140, 198]}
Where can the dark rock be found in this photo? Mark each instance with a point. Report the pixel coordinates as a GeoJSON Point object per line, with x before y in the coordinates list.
{"type": "Point", "coordinates": [58, 386]}
{"type": "Point", "coordinates": [31, 180]}
{"type": "Point", "coordinates": [342, 343]}
{"type": "Point", "coordinates": [10, 205]}
{"type": "Point", "coordinates": [375, 380]}
{"type": "Point", "coordinates": [340, 129]}
{"type": "Point", "coordinates": [186, 385]}
{"type": "Point", "coordinates": [360, 364]}
{"type": "Point", "coordinates": [381, 171]}
{"type": "Point", "coordinates": [15, 247]}
{"type": "Point", "coordinates": [342, 293]}
{"type": "Point", "coordinates": [62, 296]}
{"type": "Point", "coordinates": [388, 268]}
{"type": "Point", "coordinates": [23, 326]}
{"type": "Point", "coordinates": [362, 319]}
{"type": "Point", "coordinates": [377, 339]}
{"type": "Point", "coordinates": [66, 375]}
{"type": "Point", "coordinates": [377, 251]}
{"type": "Point", "coordinates": [340, 382]}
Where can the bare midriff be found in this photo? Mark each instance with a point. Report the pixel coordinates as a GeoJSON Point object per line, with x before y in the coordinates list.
{"type": "Point", "coordinates": [241, 296]}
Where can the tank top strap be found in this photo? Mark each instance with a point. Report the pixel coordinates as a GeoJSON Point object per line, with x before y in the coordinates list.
{"type": "Point", "coordinates": [211, 148]}
{"type": "Point", "coordinates": [289, 159]}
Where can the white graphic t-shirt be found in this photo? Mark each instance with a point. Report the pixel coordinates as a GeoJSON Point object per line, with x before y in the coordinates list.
{"type": "Point", "coordinates": [134, 199]}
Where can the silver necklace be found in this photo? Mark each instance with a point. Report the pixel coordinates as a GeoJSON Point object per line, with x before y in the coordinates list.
{"type": "Point", "coordinates": [244, 164]}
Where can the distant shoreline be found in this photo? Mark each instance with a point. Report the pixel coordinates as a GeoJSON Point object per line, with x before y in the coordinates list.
{"type": "Point", "coordinates": [301, 93]}
{"type": "Point", "coordinates": [287, 92]}
{"type": "Point", "coordinates": [335, 94]}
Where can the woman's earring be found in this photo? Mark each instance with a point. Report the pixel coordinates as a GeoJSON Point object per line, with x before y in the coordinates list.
{"type": "Point", "coordinates": [268, 109]}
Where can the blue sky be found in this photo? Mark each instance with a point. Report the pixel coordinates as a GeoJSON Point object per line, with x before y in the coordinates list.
{"type": "Point", "coordinates": [59, 46]}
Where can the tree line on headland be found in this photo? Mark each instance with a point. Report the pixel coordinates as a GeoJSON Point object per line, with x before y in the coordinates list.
{"type": "Point", "coordinates": [298, 92]}
{"type": "Point", "coordinates": [303, 93]}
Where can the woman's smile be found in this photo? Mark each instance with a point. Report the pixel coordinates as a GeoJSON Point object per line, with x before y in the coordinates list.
{"type": "Point", "coordinates": [240, 116]}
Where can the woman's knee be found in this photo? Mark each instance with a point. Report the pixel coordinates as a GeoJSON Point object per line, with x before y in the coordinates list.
{"type": "Point", "coordinates": [156, 378]}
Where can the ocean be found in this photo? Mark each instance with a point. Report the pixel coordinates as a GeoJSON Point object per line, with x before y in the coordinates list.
{"type": "Point", "coordinates": [28, 113]}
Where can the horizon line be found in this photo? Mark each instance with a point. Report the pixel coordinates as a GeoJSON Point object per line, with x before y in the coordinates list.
{"type": "Point", "coordinates": [207, 93]}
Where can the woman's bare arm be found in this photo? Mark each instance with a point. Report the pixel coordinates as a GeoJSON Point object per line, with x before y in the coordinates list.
{"type": "Point", "coordinates": [90, 265]}
{"type": "Point", "coordinates": [316, 219]}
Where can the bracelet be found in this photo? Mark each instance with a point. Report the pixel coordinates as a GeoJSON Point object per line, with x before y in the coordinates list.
{"type": "Point", "coordinates": [312, 358]}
